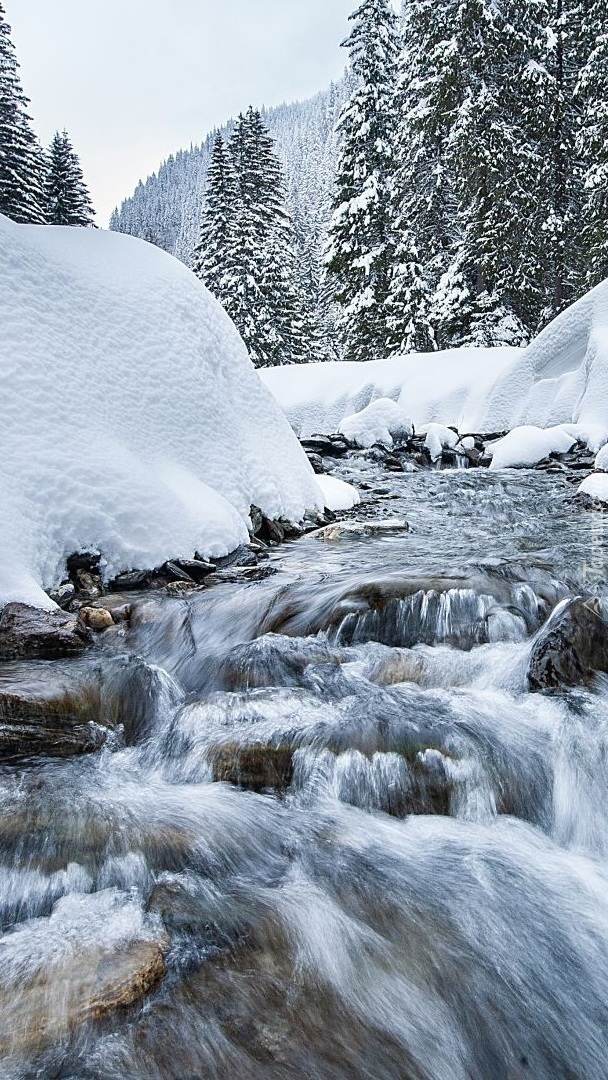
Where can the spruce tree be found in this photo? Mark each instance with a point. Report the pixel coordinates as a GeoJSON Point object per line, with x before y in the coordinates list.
{"type": "Point", "coordinates": [216, 253]}
{"type": "Point", "coordinates": [592, 151]}
{"type": "Point", "coordinates": [246, 249]}
{"type": "Point", "coordinates": [21, 161]}
{"type": "Point", "coordinates": [67, 199]}
{"type": "Point", "coordinates": [361, 241]}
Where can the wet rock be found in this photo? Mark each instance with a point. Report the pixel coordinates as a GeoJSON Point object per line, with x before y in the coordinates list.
{"type": "Point", "coordinates": [48, 711]}
{"type": "Point", "coordinates": [84, 560]}
{"type": "Point", "coordinates": [316, 461]}
{"type": "Point", "coordinates": [570, 648]}
{"type": "Point", "coordinates": [327, 445]}
{"type": "Point", "coordinates": [174, 572]}
{"type": "Point", "coordinates": [129, 580]}
{"type": "Point", "coordinates": [95, 618]}
{"type": "Point", "coordinates": [253, 767]}
{"type": "Point", "coordinates": [257, 518]}
{"type": "Point", "coordinates": [90, 985]}
{"type": "Point", "coordinates": [88, 584]}
{"type": "Point", "coordinates": [196, 569]}
{"type": "Point", "coordinates": [233, 575]}
{"type": "Point", "coordinates": [32, 633]}
{"type": "Point", "coordinates": [340, 529]}
{"type": "Point", "coordinates": [64, 595]}
{"type": "Point", "coordinates": [241, 556]}
{"type": "Point", "coordinates": [272, 532]}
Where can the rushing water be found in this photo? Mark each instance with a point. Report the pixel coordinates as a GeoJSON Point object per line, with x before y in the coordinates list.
{"type": "Point", "coordinates": [365, 848]}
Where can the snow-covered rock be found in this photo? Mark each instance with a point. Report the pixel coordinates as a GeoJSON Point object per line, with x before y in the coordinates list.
{"type": "Point", "coordinates": [131, 419]}
{"type": "Point", "coordinates": [337, 494]}
{"type": "Point", "coordinates": [561, 378]}
{"type": "Point", "coordinates": [438, 438]}
{"type": "Point", "coordinates": [528, 445]}
{"type": "Point", "coordinates": [595, 486]}
{"type": "Point", "coordinates": [601, 461]}
{"type": "Point", "coordinates": [380, 422]}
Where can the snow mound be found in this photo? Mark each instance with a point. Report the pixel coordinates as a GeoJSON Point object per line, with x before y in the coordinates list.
{"type": "Point", "coordinates": [561, 378]}
{"type": "Point", "coordinates": [438, 438]}
{"type": "Point", "coordinates": [380, 422]}
{"type": "Point", "coordinates": [337, 494]}
{"type": "Point", "coordinates": [601, 461]}
{"type": "Point", "coordinates": [596, 486]}
{"type": "Point", "coordinates": [528, 445]}
{"type": "Point", "coordinates": [131, 419]}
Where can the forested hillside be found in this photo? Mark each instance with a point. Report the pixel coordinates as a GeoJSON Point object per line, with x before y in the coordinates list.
{"type": "Point", "coordinates": [166, 208]}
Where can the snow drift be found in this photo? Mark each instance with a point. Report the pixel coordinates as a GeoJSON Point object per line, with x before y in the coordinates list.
{"type": "Point", "coordinates": [560, 378]}
{"type": "Point", "coordinates": [131, 419]}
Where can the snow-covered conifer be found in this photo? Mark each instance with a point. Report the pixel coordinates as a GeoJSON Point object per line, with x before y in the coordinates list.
{"type": "Point", "coordinates": [21, 160]}
{"type": "Point", "coordinates": [361, 240]}
{"type": "Point", "coordinates": [67, 198]}
{"type": "Point", "coordinates": [592, 151]}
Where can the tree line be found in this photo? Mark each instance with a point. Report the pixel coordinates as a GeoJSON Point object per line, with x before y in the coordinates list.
{"type": "Point", "coordinates": [36, 186]}
{"type": "Point", "coordinates": [471, 192]}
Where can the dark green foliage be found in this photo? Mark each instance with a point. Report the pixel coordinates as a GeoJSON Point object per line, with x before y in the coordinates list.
{"type": "Point", "coordinates": [21, 160]}
{"type": "Point", "coordinates": [245, 254]}
{"type": "Point", "coordinates": [67, 199]}
{"type": "Point", "coordinates": [361, 242]}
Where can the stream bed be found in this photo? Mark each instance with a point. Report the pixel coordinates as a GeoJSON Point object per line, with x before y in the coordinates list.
{"type": "Point", "coordinates": [343, 839]}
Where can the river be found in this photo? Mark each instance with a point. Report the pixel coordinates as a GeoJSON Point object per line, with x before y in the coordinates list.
{"type": "Point", "coordinates": [363, 847]}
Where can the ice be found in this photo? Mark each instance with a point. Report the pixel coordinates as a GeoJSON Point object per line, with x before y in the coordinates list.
{"type": "Point", "coordinates": [560, 379]}
{"type": "Point", "coordinates": [380, 422]}
{"type": "Point", "coordinates": [337, 494]}
{"type": "Point", "coordinates": [528, 445]}
{"type": "Point", "coordinates": [131, 419]}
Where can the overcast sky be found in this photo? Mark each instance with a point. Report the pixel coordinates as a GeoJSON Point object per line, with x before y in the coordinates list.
{"type": "Point", "coordinates": [134, 80]}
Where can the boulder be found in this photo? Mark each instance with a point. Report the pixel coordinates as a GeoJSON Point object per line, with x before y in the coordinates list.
{"type": "Point", "coordinates": [570, 648]}
{"type": "Point", "coordinates": [91, 985]}
{"type": "Point", "coordinates": [33, 633]}
{"type": "Point", "coordinates": [44, 712]}
{"type": "Point", "coordinates": [254, 766]}
{"type": "Point", "coordinates": [96, 618]}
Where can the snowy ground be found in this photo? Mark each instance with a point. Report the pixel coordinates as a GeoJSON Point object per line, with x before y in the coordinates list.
{"type": "Point", "coordinates": [131, 419]}
{"type": "Point", "coordinates": [560, 380]}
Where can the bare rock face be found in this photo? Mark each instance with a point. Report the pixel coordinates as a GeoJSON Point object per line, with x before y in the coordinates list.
{"type": "Point", "coordinates": [30, 633]}
{"type": "Point", "coordinates": [571, 647]}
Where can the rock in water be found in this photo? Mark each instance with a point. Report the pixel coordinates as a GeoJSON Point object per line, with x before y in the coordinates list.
{"type": "Point", "coordinates": [35, 634]}
{"type": "Point", "coordinates": [570, 648]}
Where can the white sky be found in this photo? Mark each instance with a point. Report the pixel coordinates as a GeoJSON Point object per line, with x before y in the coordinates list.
{"type": "Point", "coordinates": [135, 80]}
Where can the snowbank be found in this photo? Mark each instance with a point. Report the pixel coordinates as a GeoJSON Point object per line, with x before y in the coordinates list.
{"type": "Point", "coordinates": [131, 420]}
{"type": "Point", "coordinates": [446, 388]}
{"type": "Point", "coordinates": [561, 378]}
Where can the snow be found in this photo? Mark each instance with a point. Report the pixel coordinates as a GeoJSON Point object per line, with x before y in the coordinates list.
{"type": "Point", "coordinates": [337, 494]}
{"type": "Point", "coordinates": [450, 387]}
{"type": "Point", "coordinates": [601, 461]}
{"type": "Point", "coordinates": [438, 438]}
{"type": "Point", "coordinates": [528, 445]}
{"type": "Point", "coordinates": [131, 419]}
{"type": "Point", "coordinates": [381, 422]}
{"type": "Point", "coordinates": [560, 379]}
{"type": "Point", "coordinates": [596, 486]}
